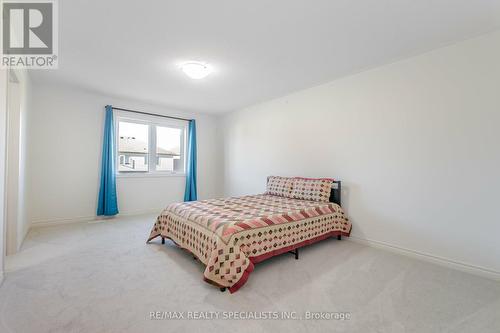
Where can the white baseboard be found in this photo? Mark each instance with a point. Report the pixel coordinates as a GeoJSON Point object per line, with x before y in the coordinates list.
{"type": "Point", "coordinates": [80, 219]}
{"type": "Point", "coordinates": [464, 267]}
{"type": "Point", "coordinates": [61, 221]}
{"type": "Point", "coordinates": [156, 211]}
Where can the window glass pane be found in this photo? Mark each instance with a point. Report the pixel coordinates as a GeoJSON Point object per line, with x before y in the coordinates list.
{"type": "Point", "coordinates": [169, 142]}
{"type": "Point", "coordinates": [133, 147]}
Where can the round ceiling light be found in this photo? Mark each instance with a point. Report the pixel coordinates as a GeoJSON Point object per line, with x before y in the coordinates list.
{"type": "Point", "coordinates": [196, 70]}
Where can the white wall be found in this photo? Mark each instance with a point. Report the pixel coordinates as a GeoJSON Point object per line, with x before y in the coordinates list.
{"type": "Point", "coordinates": [12, 163]}
{"type": "Point", "coordinates": [19, 93]}
{"type": "Point", "coordinates": [24, 220]}
{"type": "Point", "coordinates": [416, 144]}
{"type": "Point", "coordinates": [3, 130]}
{"type": "Point", "coordinates": [66, 144]}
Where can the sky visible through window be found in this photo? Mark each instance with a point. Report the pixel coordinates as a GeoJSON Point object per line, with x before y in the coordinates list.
{"type": "Point", "coordinates": [168, 139]}
{"type": "Point", "coordinates": [136, 132]}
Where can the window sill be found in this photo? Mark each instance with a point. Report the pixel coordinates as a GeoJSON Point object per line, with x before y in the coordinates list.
{"type": "Point", "coordinates": [149, 175]}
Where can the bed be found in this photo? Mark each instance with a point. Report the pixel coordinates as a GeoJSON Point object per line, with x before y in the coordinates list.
{"type": "Point", "coordinates": [230, 235]}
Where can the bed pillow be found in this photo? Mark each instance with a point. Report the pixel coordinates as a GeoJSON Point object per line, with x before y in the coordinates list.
{"type": "Point", "coordinates": [313, 189]}
{"type": "Point", "coordinates": [280, 186]}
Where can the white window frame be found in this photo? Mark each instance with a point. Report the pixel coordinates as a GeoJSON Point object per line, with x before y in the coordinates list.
{"type": "Point", "coordinates": [152, 122]}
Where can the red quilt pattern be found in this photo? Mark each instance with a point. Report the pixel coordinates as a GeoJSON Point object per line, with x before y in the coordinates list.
{"type": "Point", "coordinates": [229, 235]}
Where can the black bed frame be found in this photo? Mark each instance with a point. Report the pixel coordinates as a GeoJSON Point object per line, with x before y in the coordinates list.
{"type": "Point", "coordinates": [335, 194]}
{"type": "Point", "coordinates": [335, 197]}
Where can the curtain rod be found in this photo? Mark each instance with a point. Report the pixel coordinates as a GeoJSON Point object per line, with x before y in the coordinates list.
{"type": "Point", "coordinates": [151, 114]}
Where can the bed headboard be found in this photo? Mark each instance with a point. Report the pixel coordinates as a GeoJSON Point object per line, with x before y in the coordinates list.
{"type": "Point", "coordinates": [335, 194]}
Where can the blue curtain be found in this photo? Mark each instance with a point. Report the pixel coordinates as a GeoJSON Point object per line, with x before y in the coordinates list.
{"type": "Point", "coordinates": [190, 193]}
{"type": "Point", "coordinates": [107, 204]}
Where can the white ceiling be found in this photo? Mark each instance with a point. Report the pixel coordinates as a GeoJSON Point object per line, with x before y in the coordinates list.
{"type": "Point", "coordinates": [260, 49]}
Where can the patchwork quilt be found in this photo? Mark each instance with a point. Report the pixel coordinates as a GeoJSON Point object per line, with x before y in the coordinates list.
{"type": "Point", "coordinates": [230, 235]}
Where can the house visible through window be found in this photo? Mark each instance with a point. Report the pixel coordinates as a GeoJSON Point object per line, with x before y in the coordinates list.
{"type": "Point", "coordinates": [133, 146]}
{"type": "Point", "coordinates": [150, 145]}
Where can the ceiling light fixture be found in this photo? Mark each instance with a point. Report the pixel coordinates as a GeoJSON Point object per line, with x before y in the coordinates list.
{"type": "Point", "coordinates": [196, 70]}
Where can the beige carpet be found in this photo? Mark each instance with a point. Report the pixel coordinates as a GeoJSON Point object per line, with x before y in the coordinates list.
{"type": "Point", "coordinates": [102, 277]}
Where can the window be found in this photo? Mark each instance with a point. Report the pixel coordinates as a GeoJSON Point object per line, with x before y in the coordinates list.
{"type": "Point", "coordinates": [133, 146]}
{"type": "Point", "coordinates": [168, 149]}
{"type": "Point", "coordinates": [150, 145]}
